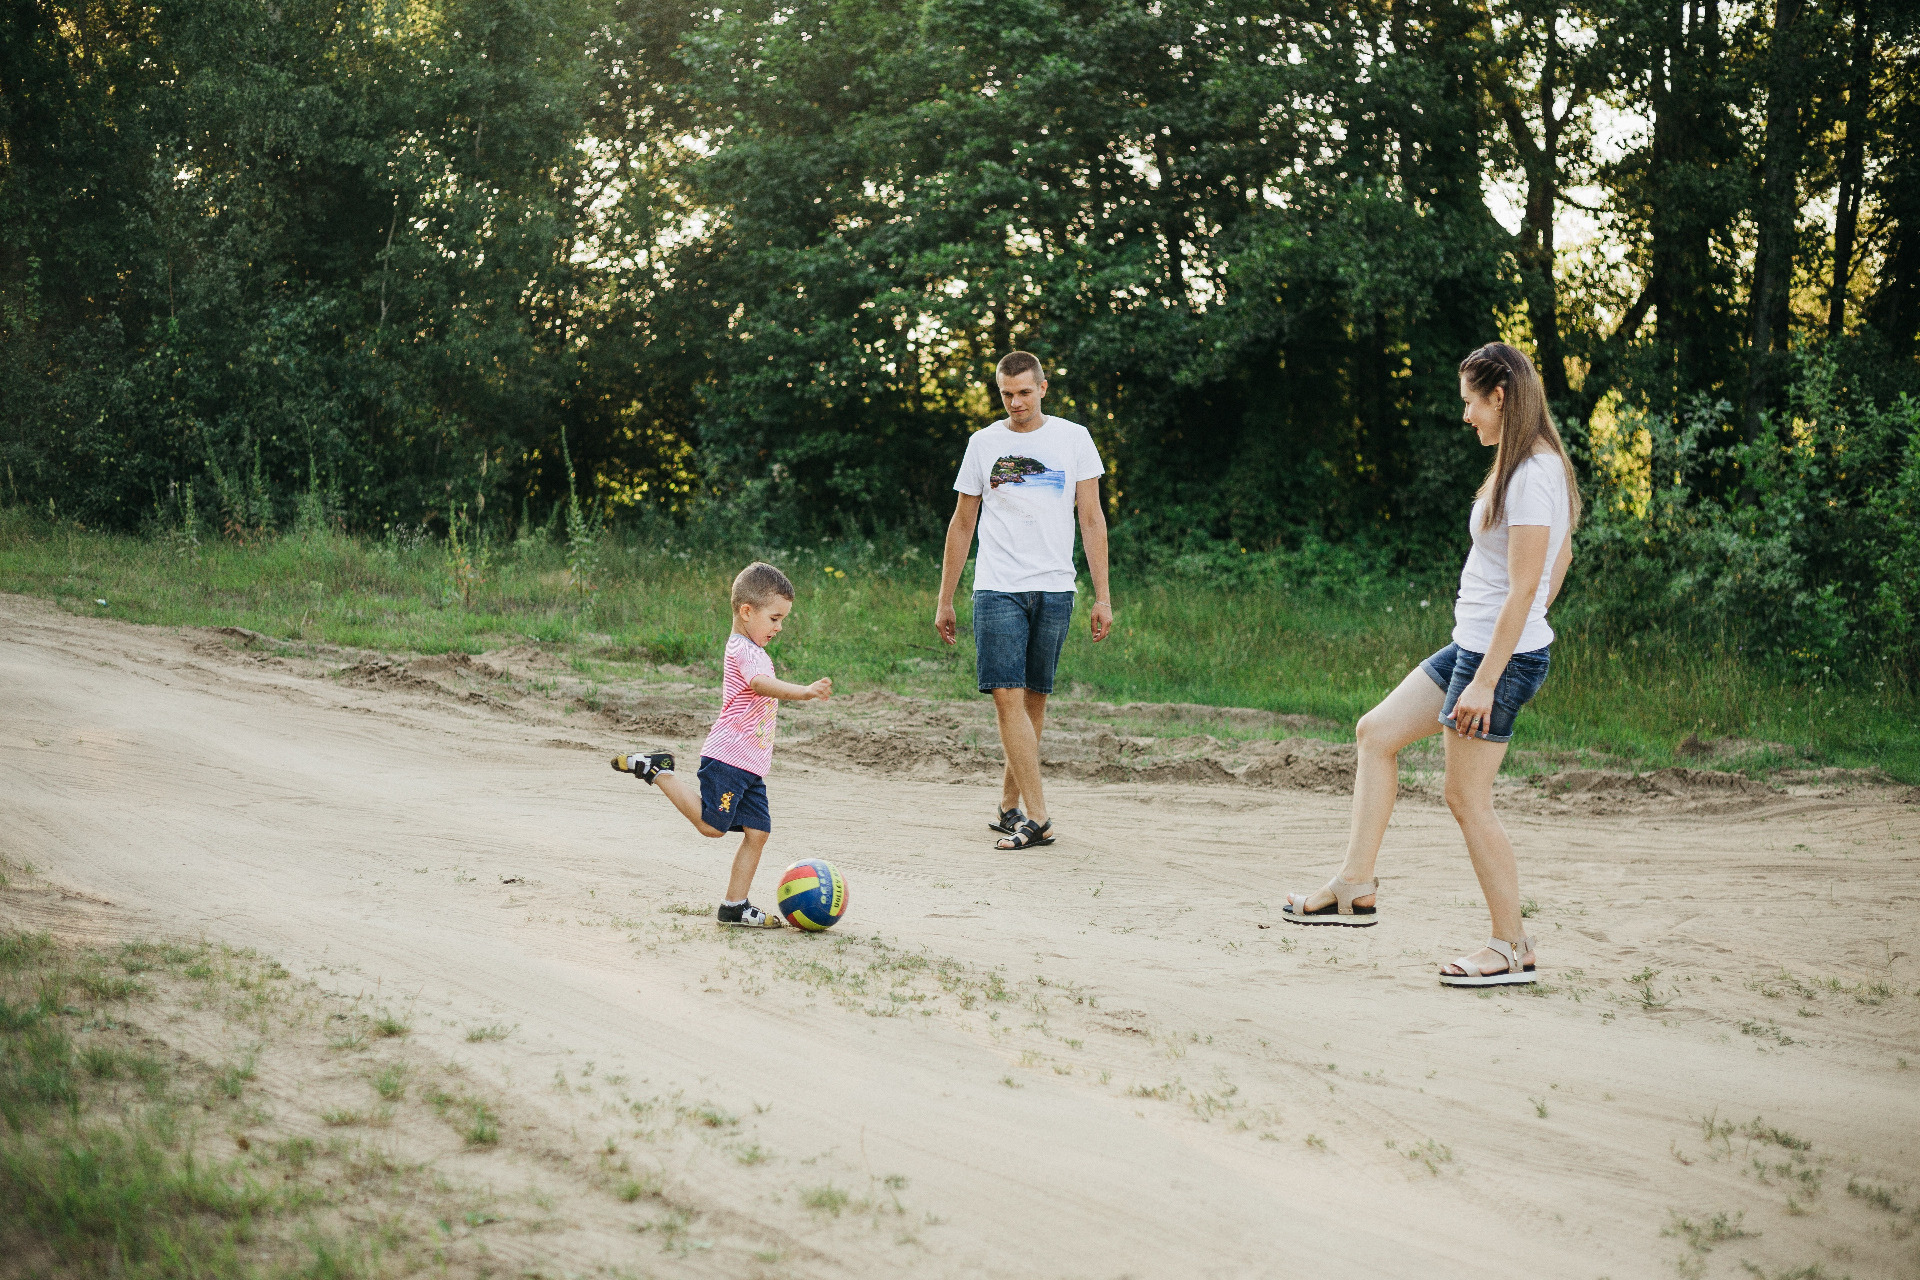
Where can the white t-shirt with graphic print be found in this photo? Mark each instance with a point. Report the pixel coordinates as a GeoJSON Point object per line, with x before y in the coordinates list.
{"type": "Point", "coordinates": [1536, 495]}
{"type": "Point", "coordinates": [1025, 482]}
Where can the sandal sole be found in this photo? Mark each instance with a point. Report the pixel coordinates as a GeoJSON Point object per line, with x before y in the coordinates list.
{"type": "Point", "coordinates": [1525, 977]}
{"type": "Point", "coordinates": [1354, 921]}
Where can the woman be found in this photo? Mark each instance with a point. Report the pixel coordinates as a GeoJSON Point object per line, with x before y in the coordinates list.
{"type": "Point", "coordinates": [1522, 524]}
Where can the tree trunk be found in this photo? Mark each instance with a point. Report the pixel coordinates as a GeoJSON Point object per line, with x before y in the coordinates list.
{"type": "Point", "coordinates": [1767, 334]}
{"type": "Point", "coordinates": [1846, 221]}
{"type": "Point", "coordinates": [1541, 163]}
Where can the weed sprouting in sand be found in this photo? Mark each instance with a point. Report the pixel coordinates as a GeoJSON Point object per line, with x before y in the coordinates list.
{"type": "Point", "coordinates": [827, 1199]}
{"type": "Point", "coordinates": [1766, 1031]}
{"type": "Point", "coordinates": [482, 1127]}
{"type": "Point", "coordinates": [391, 1081]}
{"type": "Point", "coordinates": [1878, 1196]}
{"type": "Point", "coordinates": [1702, 1236]}
{"type": "Point", "coordinates": [492, 1031]}
{"type": "Point", "coordinates": [387, 1026]}
{"type": "Point", "coordinates": [1644, 996]}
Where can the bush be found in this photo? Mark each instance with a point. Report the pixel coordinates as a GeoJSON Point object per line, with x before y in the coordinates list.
{"type": "Point", "coordinates": [1800, 541]}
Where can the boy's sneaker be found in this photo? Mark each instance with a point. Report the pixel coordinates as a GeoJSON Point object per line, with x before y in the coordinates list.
{"type": "Point", "coordinates": [747, 916]}
{"type": "Point", "coordinates": [645, 766]}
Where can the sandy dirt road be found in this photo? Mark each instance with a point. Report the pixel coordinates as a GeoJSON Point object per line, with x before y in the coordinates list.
{"type": "Point", "coordinates": [1106, 1059]}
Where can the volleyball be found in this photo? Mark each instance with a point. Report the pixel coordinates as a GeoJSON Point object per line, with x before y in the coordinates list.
{"type": "Point", "coordinates": [812, 895]}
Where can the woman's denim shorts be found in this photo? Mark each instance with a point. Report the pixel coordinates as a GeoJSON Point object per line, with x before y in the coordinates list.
{"type": "Point", "coordinates": [1017, 637]}
{"type": "Point", "coordinates": [1452, 669]}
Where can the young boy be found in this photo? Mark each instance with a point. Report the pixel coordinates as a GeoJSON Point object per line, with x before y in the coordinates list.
{"type": "Point", "coordinates": [732, 795]}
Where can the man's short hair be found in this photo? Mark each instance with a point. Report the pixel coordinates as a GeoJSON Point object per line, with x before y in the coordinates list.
{"type": "Point", "coordinates": [759, 583]}
{"type": "Point", "coordinates": [1015, 363]}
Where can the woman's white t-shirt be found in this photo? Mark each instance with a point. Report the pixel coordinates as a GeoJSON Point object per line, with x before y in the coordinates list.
{"type": "Point", "coordinates": [1537, 495]}
{"type": "Point", "coordinates": [1025, 481]}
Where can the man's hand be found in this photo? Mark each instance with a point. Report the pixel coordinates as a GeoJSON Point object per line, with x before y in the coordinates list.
{"type": "Point", "coordinates": [822, 688]}
{"type": "Point", "coordinates": [1100, 620]}
{"type": "Point", "coordinates": [946, 623]}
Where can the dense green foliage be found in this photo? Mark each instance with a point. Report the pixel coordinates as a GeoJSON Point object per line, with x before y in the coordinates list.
{"type": "Point", "coordinates": [1320, 632]}
{"type": "Point", "coordinates": [267, 263]}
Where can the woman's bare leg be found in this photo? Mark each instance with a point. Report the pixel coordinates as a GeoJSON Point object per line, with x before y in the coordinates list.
{"type": "Point", "coordinates": [1472, 764]}
{"type": "Point", "coordinates": [1411, 712]}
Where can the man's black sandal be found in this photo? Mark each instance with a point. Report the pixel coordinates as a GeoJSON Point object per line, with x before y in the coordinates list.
{"type": "Point", "coordinates": [1009, 823]}
{"type": "Point", "coordinates": [1031, 835]}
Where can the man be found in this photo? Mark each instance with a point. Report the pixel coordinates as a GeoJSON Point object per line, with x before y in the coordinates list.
{"type": "Point", "coordinates": [1022, 482]}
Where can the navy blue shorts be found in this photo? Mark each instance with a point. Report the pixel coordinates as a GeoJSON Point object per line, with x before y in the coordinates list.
{"type": "Point", "coordinates": [1452, 669]}
{"type": "Point", "coordinates": [1017, 637]}
{"type": "Point", "coordinates": [731, 799]}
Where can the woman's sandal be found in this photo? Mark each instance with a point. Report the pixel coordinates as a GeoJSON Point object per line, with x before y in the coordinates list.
{"type": "Point", "coordinates": [1010, 820]}
{"type": "Point", "coordinates": [1340, 911]}
{"type": "Point", "coordinates": [1473, 975]}
{"type": "Point", "coordinates": [1031, 835]}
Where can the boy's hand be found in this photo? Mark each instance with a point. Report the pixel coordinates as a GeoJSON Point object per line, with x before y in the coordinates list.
{"type": "Point", "coordinates": [946, 623]}
{"type": "Point", "coordinates": [822, 688]}
{"type": "Point", "coordinates": [1100, 620]}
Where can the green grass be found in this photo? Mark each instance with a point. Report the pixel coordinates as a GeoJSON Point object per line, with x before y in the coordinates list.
{"type": "Point", "coordinates": [868, 623]}
{"type": "Point", "coordinates": [99, 1179]}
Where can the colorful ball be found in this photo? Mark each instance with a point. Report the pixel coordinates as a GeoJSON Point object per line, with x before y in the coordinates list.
{"type": "Point", "coordinates": [812, 895]}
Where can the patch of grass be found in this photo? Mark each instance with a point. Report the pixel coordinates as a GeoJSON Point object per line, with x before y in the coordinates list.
{"type": "Point", "coordinates": [1874, 1194]}
{"type": "Point", "coordinates": [391, 1082]}
{"type": "Point", "coordinates": [92, 1188]}
{"type": "Point", "coordinates": [826, 1199]}
{"type": "Point", "coordinates": [1176, 638]}
{"type": "Point", "coordinates": [387, 1026]}
{"type": "Point", "coordinates": [493, 1031]}
{"type": "Point", "coordinates": [1643, 992]}
{"type": "Point", "coordinates": [232, 1077]}
{"type": "Point", "coordinates": [110, 986]}
{"type": "Point", "coordinates": [753, 1154]}
{"type": "Point", "coordinates": [1760, 1131]}
{"type": "Point", "coordinates": [1702, 1236]}
{"type": "Point", "coordinates": [340, 1117]}
{"type": "Point", "coordinates": [483, 1126]}
{"type": "Point", "coordinates": [18, 949]}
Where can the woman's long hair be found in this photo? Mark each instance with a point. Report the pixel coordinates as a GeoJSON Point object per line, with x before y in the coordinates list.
{"type": "Point", "coordinates": [1525, 424]}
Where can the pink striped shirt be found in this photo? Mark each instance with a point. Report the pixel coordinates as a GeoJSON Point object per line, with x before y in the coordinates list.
{"type": "Point", "coordinates": [743, 735]}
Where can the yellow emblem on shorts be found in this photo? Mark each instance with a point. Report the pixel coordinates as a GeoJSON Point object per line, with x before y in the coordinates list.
{"type": "Point", "coordinates": [726, 803]}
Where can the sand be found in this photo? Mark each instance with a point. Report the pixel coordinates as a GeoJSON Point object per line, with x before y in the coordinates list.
{"type": "Point", "coordinates": [1107, 1058]}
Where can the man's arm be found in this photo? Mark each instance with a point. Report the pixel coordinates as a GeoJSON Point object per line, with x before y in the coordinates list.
{"type": "Point", "coordinates": [966, 513]}
{"type": "Point", "coordinates": [1093, 537]}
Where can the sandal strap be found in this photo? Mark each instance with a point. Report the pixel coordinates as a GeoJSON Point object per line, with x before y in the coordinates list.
{"type": "Point", "coordinates": [1028, 832]}
{"type": "Point", "coordinates": [1344, 893]}
{"type": "Point", "coordinates": [1511, 953]}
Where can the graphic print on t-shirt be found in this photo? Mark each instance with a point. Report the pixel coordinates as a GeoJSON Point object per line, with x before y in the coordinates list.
{"type": "Point", "coordinates": [1026, 472]}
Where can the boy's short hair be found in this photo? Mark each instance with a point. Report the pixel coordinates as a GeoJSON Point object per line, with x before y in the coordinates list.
{"type": "Point", "coordinates": [1015, 363]}
{"type": "Point", "coordinates": [760, 582]}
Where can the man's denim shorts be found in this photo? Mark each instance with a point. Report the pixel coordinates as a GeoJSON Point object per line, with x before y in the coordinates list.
{"type": "Point", "coordinates": [1017, 637]}
{"type": "Point", "coordinates": [1452, 669]}
{"type": "Point", "coordinates": [732, 799]}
